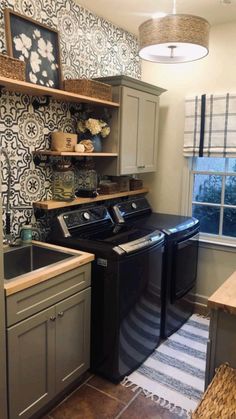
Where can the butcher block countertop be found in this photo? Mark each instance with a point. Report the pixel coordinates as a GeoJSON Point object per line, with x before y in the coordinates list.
{"type": "Point", "coordinates": [225, 296]}
{"type": "Point", "coordinates": [43, 274]}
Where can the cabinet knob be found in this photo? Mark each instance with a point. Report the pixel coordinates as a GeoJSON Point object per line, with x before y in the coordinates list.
{"type": "Point", "coordinates": [53, 318]}
{"type": "Point", "coordinates": [61, 314]}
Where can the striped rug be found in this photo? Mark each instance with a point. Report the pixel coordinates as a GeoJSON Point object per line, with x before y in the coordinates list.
{"type": "Point", "coordinates": [174, 373]}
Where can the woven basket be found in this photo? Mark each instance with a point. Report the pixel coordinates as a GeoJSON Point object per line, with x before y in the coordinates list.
{"type": "Point", "coordinates": [219, 400]}
{"type": "Point", "coordinates": [12, 68]}
{"type": "Point", "coordinates": [107, 188]}
{"type": "Point", "coordinates": [135, 184]}
{"type": "Point", "coordinates": [122, 181]}
{"type": "Point", "coordinates": [88, 87]}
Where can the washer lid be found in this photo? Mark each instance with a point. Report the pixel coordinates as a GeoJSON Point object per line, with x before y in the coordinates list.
{"type": "Point", "coordinates": [141, 243]}
{"type": "Point", "coordinates": [172, 224]}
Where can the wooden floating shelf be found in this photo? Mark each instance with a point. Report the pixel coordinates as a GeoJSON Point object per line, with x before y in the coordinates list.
{"type": "Point", "coordinates": [51, 205]}
{"type": "Point", "coordinates": [36, 90]}
{"type": "Point", "coordinates": [72, 154]}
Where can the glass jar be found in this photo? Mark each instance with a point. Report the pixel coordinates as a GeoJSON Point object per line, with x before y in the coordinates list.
{"type": "Point", "coordinates": [63, 182]}
{"type": "Point", "coordinates": [87, 178]}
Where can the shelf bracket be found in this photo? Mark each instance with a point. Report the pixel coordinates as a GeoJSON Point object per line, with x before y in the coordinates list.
{"type": "Point", "coordinates": [40, 160]}
{"type": "Point", "coordinates": [38, 103]}
{"type": "Point", "coordinates": [1, 90]}
{"type": "Point", "coordinates": [79, 108]}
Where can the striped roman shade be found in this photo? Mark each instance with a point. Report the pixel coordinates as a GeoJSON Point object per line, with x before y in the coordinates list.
{"type": "Point", "coordinates": [210, 126]}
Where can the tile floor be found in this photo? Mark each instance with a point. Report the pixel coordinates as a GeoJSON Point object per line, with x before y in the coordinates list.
{"type": "Point", "coordinates": [97, 398]}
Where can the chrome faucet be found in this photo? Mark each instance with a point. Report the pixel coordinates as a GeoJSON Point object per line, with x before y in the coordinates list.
{"type": "Point", "coordinates": [7, 236]}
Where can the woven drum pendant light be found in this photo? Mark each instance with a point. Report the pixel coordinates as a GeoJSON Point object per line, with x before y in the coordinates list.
{"type": "Point", "coordinates": [175, 38]}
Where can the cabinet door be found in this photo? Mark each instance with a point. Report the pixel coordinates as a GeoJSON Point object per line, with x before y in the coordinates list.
{"type": "Point", "coordinates": [129, 130]}
{"type": "Point", "coordinates": [147, 133]}
{"type": "Point", "coordinates": [72, 338]}
{"type": "Point", "coordinates": [31, 349]}
{"type": "Point", "coordinates": [138, 131]}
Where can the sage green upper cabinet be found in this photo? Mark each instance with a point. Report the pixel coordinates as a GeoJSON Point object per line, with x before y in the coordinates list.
{"type": "Point", "coordinates": [138, 132]}
{"type": "Point", "coordinates": [134, 127]}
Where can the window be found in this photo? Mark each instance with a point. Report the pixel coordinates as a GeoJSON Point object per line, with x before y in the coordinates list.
{"type": "Point", "coordinates": [214, 195]}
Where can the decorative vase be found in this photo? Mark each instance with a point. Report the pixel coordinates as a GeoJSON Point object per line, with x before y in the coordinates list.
{"type": "Point", "coordinates": [97, 143]}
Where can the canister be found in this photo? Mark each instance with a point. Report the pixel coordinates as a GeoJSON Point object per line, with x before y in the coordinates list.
{"type": "Point", "coordinates": [63, 182]}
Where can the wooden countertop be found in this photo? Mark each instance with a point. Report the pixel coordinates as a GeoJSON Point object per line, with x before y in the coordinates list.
{"type": "Point", "coordinates": [43, 274]}
{"type": "Point", "coordinates": [225, 296]}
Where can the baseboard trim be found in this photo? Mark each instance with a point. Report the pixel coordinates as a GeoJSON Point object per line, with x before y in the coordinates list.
{"type": "Point", "coordinates": [201, 309]}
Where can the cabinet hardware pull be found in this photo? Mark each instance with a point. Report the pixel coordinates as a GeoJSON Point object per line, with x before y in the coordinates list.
{"type": "Point", "coordinates": [53, 318]}
{"type": "Point", "coordinates": [141, 167]}
{"type": "Point", "coordinates": [61, 314]}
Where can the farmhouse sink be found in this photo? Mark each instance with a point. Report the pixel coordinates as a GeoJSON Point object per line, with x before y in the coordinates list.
{"type": "Point", "coordinates": [21, 260]}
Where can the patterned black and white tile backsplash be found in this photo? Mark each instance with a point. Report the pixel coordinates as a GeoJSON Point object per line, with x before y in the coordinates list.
{"type": "Point", "coordinates": [90, 47]}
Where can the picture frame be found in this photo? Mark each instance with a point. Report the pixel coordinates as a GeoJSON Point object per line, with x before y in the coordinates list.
{"type": "Point", "coordinates": [37, 45]}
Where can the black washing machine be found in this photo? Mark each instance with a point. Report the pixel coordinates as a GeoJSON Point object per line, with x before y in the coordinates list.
{"type": "Point", "coordinates": [180, 258]}
{"type": "Point", "coordinates": [126, 286]}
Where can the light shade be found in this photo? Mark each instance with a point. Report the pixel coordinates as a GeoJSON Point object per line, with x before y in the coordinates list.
{"type": "Point", "coordinates": [175, 38]}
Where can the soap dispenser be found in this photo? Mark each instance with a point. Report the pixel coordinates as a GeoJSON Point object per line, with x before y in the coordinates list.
{"type": "Point", "coordinates": [26, 233]}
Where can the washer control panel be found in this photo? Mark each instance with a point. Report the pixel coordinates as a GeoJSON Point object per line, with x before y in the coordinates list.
{"type": "Point", "coordinates": [78, 218]}
{"type": "Point", "coordinates": [86, 215]}
{"type": "Point", "coordinates": [133, 206]}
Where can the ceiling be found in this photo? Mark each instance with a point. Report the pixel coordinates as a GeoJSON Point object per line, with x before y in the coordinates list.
{"type": "Point", "coordinates": [129, 14]}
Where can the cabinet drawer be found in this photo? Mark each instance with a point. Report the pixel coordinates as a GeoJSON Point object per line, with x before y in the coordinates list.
{"type": "Point", "coordinates": [25, 303]}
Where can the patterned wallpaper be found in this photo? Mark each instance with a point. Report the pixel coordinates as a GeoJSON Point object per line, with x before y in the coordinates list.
{"type": "Point", "coordinates": [90, 47]}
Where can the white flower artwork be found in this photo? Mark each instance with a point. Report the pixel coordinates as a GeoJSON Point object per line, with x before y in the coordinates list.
{"type": "Point", "coordinates": [35, 62]}
{"type": "Point", "coordinates": [38, 46]}
{"type": "Point", "coordinates": [45, 49]}
{"type": "Point", "coordinates": [32, 77]}
{"type": "Point", "coordinates": [37, 33]}
{"type": "Point", "coordinates": [23, 44]}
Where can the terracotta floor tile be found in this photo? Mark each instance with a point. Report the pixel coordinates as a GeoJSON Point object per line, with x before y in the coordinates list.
{"type": "Point", "coordinates": [115, 390]}
{"type": "Point", "coordinates": [144, 408]}
{"type": "Point", "coordinates": [88, 403]}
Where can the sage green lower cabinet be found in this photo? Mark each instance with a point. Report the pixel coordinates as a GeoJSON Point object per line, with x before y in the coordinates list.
{"type": "Point", "coordinates": [47, 352]}
{"type": "Point", "coordinates": [31, 364]}
{"type": "Point", "coordinates": [72, 338]}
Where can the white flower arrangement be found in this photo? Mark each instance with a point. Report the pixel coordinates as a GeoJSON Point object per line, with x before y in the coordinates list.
{"type": "Point", "coordinates": [94, 127]}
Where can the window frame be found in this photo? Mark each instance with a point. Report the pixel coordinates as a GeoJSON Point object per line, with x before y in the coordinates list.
{"type": "Point", "coordinates": [187, 205]}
